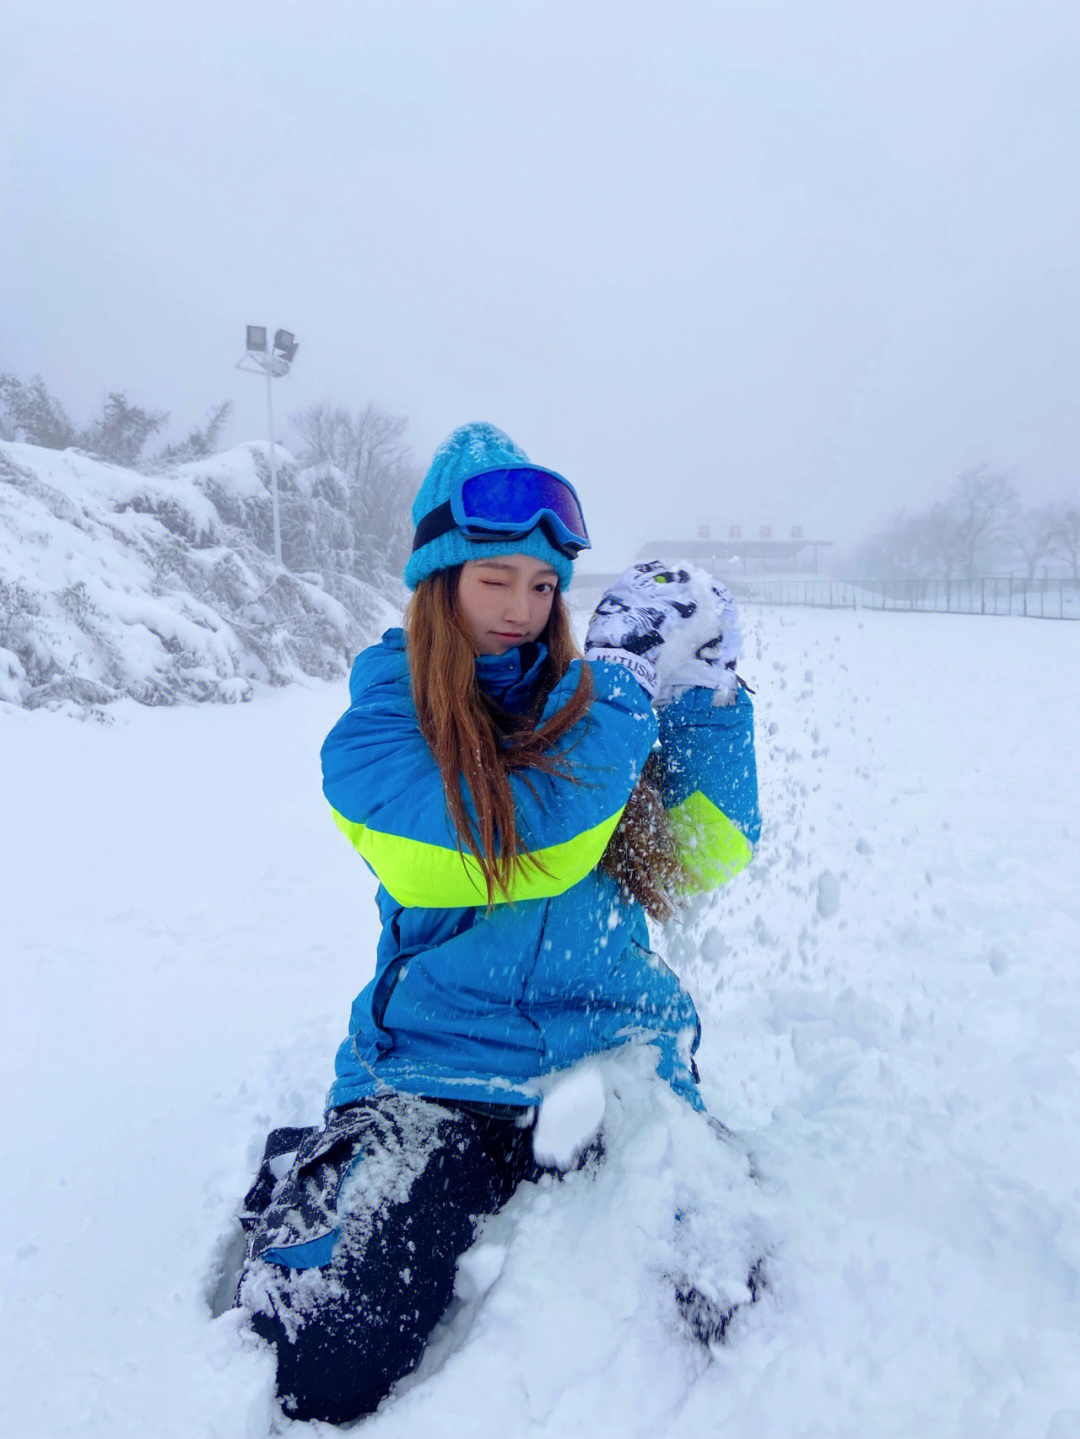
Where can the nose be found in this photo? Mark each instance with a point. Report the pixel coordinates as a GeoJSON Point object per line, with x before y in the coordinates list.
{"type": "Point", "coordinates": [517, 610]}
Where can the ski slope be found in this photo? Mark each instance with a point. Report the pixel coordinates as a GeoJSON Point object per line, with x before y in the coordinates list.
{"type": "Point", "coordinates": [891, 1020]}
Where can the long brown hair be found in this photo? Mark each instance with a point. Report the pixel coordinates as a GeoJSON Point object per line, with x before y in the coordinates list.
{"type": "Point", "coordinates": [473, 738]}
{"type": "Point", "coordinates": [642, 856]}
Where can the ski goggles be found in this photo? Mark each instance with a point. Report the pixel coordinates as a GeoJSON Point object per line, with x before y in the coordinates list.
{"type": "Point", "coordinates": [508, 505]}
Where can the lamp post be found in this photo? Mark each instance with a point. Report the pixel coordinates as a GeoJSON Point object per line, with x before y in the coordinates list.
{"type": "Point", "coordinates": [273, 362]}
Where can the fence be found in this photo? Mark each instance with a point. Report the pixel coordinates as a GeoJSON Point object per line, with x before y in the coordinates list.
{"type": "Point", "coordinates": [1057, 599]}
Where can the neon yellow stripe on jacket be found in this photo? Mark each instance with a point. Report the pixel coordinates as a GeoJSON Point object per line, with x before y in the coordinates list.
{"type": "Point", "coordinates": [429, 876]}
{"type": "Point", "coordinates": [711, 848]}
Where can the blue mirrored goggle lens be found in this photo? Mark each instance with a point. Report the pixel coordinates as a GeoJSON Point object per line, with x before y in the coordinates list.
{"type": "Point", "coordinates": [515, 500]}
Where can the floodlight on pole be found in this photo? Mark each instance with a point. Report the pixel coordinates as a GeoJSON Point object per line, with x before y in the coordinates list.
{"type": "Point", "coordinates": [259, 359]}
{"type": "Point", "coordinates": [285, 345]}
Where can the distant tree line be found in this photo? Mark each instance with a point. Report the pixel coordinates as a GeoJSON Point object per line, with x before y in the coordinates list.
{"type": "Point", "coordinates": [980, 528]}
{"type": "Point", "coordinates": [345, 502]}
{"type": "Point", "coordinates": [119, 434]}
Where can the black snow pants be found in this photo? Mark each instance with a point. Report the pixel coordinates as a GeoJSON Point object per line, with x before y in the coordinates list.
{"type": "Point", "coordinates": [351, 1255]}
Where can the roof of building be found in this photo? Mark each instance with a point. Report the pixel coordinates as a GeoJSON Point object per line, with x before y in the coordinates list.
{"type": "Point", "coordinates": [747, 548]}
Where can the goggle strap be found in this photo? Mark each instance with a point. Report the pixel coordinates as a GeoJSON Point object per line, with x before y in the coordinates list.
{"type": "Point", "coordinates": [438, 522]}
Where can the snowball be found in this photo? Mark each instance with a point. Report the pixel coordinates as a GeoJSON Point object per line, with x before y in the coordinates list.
{"type": "Point", "coordinates": [570, 1117]}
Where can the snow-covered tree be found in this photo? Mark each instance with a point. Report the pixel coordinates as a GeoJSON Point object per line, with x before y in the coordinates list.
{"type": "Point", "coordinates": [122, 430]}
{"type": "Point", "coordinates": [983, 507]}
{"type": "Point", "coordinates": [910, 547]}
{"type": "Point", "coordinates": [370, 457]}
{"type": "Point", "coordinates": [1035, 535]}
{"type": "Point", "coordinates": [326, 433]}
{"type": "Point", "coordinates": [31, 414]}
{"type": "Point", "coordinates": [1068, 535]}
{"type": "Point", "coordinates": [201, 440]}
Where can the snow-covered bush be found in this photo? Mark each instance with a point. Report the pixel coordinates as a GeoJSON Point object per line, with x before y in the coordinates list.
{"type": "Point", "coordinates": [163, 588]}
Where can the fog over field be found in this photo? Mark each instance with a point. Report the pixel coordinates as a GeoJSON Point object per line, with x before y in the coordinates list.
{"type": "Point", "coordinates": [784, 264]}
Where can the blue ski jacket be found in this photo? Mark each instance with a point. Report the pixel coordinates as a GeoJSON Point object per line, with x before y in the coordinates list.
{"type": "Point", "coordinates": [476, 1005]}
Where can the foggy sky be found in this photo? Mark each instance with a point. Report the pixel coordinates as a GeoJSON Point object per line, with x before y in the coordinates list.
{"type": "Point", "coordinates": [758, 264]}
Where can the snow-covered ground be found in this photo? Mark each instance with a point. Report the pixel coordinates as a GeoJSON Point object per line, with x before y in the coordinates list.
{"type": "Point", "coordinates": [891, 1019]}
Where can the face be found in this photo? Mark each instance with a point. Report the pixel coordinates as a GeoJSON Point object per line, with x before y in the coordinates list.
{"type": "Point", "coordinates": [505, 601]}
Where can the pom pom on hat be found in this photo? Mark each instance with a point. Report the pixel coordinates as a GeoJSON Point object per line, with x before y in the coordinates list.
{"type": "Point", "coordinates": [472, 450]}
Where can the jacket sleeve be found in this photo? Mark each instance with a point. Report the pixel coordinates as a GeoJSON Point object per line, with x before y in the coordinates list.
{"type": "Point", "coordinates": [710, 787]}
{"type": "Point", "coordinates": [387, 796]}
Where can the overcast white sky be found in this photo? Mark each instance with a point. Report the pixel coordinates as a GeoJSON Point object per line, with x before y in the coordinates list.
{"type": "Point", "coordinates": [787, 263]}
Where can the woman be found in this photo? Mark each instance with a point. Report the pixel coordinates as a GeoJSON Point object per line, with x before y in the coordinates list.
{"type": "Point", "coordinates": [507, 795]}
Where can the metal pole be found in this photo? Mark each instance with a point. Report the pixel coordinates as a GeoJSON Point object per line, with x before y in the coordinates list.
{"type": "Point", "coordinates": [273, 467]}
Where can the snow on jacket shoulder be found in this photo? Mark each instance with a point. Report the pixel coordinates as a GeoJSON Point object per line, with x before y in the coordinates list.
{"type": "Point", "coordinates": [387, 796]}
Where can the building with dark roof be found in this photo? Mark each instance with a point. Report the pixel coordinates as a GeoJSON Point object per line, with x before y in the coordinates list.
{"type": "Point", "coordinates": [743, 554]}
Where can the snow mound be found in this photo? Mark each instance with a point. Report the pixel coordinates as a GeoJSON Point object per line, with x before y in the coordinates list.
{"type": "Point", "coordinates": [566, 1306]}
{"type": "Point", "coordinates": [570, 1310]}
{"type": "Point", "coordinates": [160, 587]}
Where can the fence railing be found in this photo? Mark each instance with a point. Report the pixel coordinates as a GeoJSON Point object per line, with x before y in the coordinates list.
{"type": "Point", "coordinates": [1056, 599]}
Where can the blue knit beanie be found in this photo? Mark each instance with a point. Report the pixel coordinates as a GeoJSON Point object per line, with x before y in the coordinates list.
{"type": "Point", "coordinates": [472, 450]}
